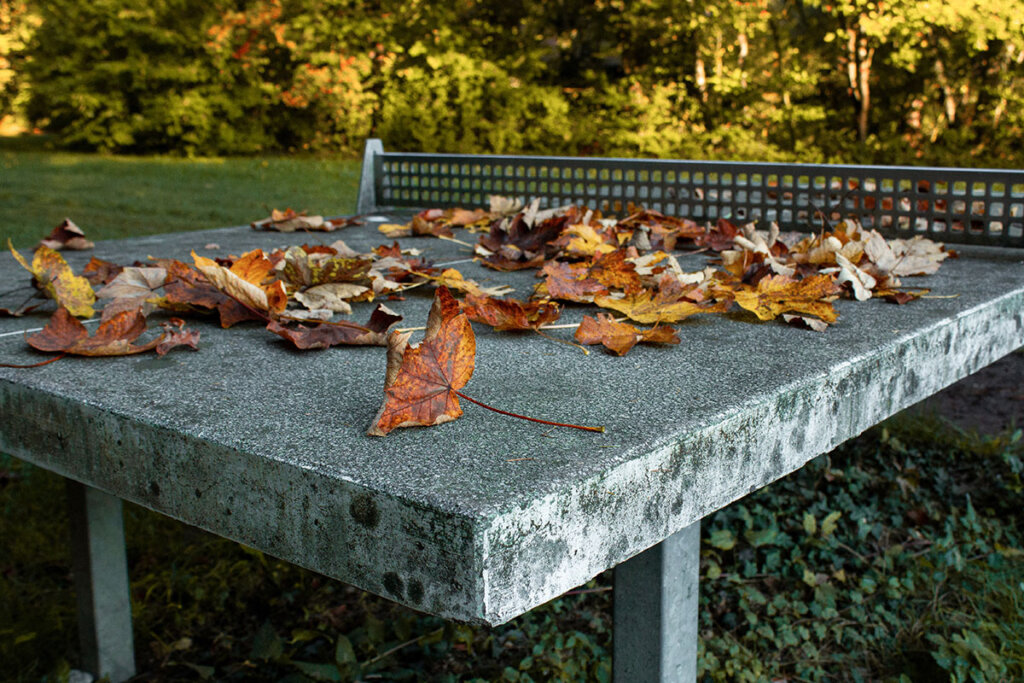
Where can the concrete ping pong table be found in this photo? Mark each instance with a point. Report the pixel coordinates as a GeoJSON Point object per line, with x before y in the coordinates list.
{"type": "Point", "coordinates": [485, 518]}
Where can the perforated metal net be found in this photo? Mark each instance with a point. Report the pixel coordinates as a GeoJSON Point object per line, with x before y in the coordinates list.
{"type": "Point", "coordinates": [977, 206]}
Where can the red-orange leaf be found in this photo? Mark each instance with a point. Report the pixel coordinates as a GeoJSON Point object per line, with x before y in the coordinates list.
{"type": "Point", "coordinates": [422, 382]}
{"type": "Point", "coordinates": [114, 337]}
{"type": "Point", "coordinates": [621, 337]}
{"type": "Point", "coordinates": [510, 314]}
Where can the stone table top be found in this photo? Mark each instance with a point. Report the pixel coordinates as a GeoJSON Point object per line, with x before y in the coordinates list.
{"type": "Point", "coordinates": [486, 517]}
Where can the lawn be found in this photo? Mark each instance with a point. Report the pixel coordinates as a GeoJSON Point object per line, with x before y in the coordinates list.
{"type": "Point", "coordinates": [900, 556]}
{"type": "Point", "coordinates": [119, 196]}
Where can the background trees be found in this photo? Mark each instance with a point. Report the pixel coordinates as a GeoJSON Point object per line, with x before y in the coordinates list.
{"type": "Point", "coordinates": [888, 81]}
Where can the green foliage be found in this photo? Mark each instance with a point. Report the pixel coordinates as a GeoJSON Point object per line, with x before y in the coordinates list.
{"type": "Point", "coordinates": [855, 81]}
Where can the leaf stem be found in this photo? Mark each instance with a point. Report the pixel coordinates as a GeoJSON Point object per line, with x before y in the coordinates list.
{"type": "Point", "coordinates": [457, 241]}
{"type": "Point", "coordinates": [34, 365]}
{"type": "Point", "coordinates": [524, 417]}
{"type": "Point", "coordinates": [585, 351]}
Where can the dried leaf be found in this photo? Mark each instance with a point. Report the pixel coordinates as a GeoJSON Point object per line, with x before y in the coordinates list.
{"type": "Point", "coordinates": [54, 277]}
{"type": "Point", "coordinates": [133, 287]}
{"type": "Point", "coordinates": [100, 272]}
{"type": "Point", "coordinates": [245, 281]}
{"type": "Point", "coordinates": [651, 308]}
{"type": "Point", "coordinates": [778, 294]}
{"type": "Point", "coordinates": [176, 335]}
{"type": "Point", "coordinates": [334, 296]}
{"type": "Point", "coordinates": [325, 335]}
{"type": "Point", "coordinates": [510, 314]}
{"type": "Point", "coordinates": [421, 382]}
{"type": "Point", "coordinates": [569, 282]}
{"type": "Point", "coordinates": [620, 337]}
{"type": "Point", "coordinates": [114, 336]}
{"type": "Point", "coordinates": [67, 235]}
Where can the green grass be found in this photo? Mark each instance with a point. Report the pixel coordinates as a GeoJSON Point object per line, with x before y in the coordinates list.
{"type": "Point", "coordinates": [119, 196]}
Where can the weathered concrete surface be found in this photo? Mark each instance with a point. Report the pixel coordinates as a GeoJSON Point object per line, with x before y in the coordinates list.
{"type": "Point", "coordinates": [486, 517]}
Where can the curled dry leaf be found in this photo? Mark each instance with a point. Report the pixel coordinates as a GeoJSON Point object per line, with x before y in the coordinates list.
{"type": "Point", "coordinates": [291, 221]}
{"type": "Point", "coordinates": [334, 296]}
{"type": "Point", "coordinates": [422, 382]}
{"type": "Point", "coordinates": [325, 335]}
{"type": "Point", "coordinates": [54, 277]}
{"type": "Point", "coordinates": [67, 235]}
{"type": "Point", "coordinates": [778, 294]}
{"type": "Point", "coordinates": [246, 281]}
{"type": "Point", "coordinates": [510, 314]}
{"type": "Point", "coordinates": [115, 336]}
{"type": "Point", "coordinates": [176, 335]}
{"type": "Point", "coordinates": [620, 337]}
{"type": "Point", "coordinates": [453, 279]}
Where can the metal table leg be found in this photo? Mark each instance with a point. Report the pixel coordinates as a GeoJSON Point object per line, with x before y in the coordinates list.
{"type": "Point", "coordinates": [655, 618]}
{"type": "Point", "coordinates": [101, 582]}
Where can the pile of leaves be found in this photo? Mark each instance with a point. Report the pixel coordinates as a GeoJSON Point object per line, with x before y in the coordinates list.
{"type": "Point", "coordinates": [627, 267]}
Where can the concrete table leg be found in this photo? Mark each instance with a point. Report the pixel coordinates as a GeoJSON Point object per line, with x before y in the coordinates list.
{"type": "Point", "coordinates": [655, 618]}
{"type": "Point", "coordinates": [101, 582]}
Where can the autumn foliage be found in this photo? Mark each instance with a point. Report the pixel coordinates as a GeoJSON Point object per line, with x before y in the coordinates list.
{"type": "Point", "coordinates": [627, 267]}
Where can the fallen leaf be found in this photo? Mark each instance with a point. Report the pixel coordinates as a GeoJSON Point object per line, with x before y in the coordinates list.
{"type": "Point", "coordinates": [510, 314]}
{"type": "Point", "coordinates": [133, 287]}
{"type": "Point", "coordinates": [54, 277]}
{"type": "Point", "coordinates": [244, 281]}
{"type": "Point", "coordinates": [620, 337]}
{"type": "Point", "coordinates": [291, 221]}
{"type": "Point", "coordinates": [651, 308]}
{"type": "Point", "coordinates": [114, 336]}
{"type": "Point", "coordinates": [67, 235]}
{"type": "Point", "coordinates": [176, 335]}
{"type": "Point", "coordinates": [325, 335]}
{"type": "Point", "coordinates": [569, 282]}
{"type": "Point", "coordinates": [334, 296]}
{"type": "Point", "coordinates": [778, 294]}
{"type": "Point", "coordinates": [421, 381]}
{"type": "Point", "coordinates": [100, 272]}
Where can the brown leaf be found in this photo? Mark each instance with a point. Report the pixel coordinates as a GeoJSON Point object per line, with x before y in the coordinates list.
{"type": "Point", "coordinates": [514, 244]}
{"type": "Point", "coordinates": [67, 235]}
{"type": "Point", "coordinates": [422, 382]}
{"type": "Point", "coordinates": [325, 335]}
{"type": "Point", "coordinates": [721, 237]}
{"type": "Point", "coordinates": [510, 314]}
{"type": "Point", "coordinates": [569, 282]}
{"type": "Point", "coordinates": [620, 337]}
{"type": "Point", "coordinates": [114, 336]}
{"type": "Point", "coordinates": [176, 335]}
{"type": "Point", "coordinates": [187, 289]}
{"type": "Point", "coordinates": [290, 221]}
{"type": "Point", "coordinates": [100, 272]}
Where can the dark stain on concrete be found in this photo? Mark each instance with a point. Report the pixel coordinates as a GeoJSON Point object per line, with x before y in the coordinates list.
{"type": "Point", "coordinates": [364, 510]}
{"type": "Point", "coordinates": [154, 488]}
{"type": "Point", "coordinates": [415, 591]}
{"type": "Point", "coordinates": [393, 585]}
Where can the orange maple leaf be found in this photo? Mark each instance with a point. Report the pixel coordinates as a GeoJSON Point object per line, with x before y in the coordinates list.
{"type": "Point", "coordinates": [115, 336]}
{"type": "Point", "coordinates": [422, 382]}
{"type": "Point", "coordinates": [510, 314]}
{"type": "Point", "coordinates": [621, 337]}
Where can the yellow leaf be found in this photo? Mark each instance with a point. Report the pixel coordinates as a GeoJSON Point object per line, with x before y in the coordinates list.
{"type": "Point", "coordinates": [56, 279]}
